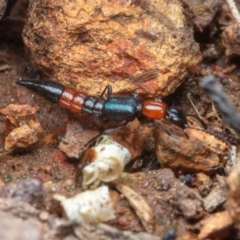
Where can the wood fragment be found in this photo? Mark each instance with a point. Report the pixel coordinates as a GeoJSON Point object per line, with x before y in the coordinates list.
{"type": "Point", "coordinates": [234, 10]}
{"type": "Point", "coordinates": [214, 199]}
{"type": "Point", "coordinates": [5, 67]}
{"type": "Point", "coordinates": [143, 210]}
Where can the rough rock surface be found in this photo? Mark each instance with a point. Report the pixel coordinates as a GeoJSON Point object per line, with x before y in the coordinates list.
{"type": "Point", "coordinates": [215, 198]}
{"type": "Point", "coordinates": [21, 137]}
{"type": "Point", "coordinates": [145, 47]}
{"type": "Point", "coordinates": [21, 127]}
{"type": "Point", "coordinates": [231, 42]}
{"type": "Point", "coordinates": [190, 203]}
{"type": "Point", "coordinates": [217, 225]}
{"type": "Point", "coordinates": [195, 152]}
{"type": "Point", "coordinates": [233, 194]}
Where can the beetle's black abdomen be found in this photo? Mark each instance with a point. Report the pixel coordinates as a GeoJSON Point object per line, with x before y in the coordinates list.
{"type": "Point", "coordinates": [93, 106]}
{"type": "Point", "coordinates": [121, 108]}
{"type": "Point", "coordinates": [48, 89]}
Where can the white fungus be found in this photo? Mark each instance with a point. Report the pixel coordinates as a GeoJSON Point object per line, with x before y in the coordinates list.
{"type": "Point", "coordinates": [108, 162]}
{"type": "Point", "coordinates": [91, 207]}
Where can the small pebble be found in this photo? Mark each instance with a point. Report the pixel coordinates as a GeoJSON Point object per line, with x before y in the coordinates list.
{"type": "Point", "coordinates": [43, 216]}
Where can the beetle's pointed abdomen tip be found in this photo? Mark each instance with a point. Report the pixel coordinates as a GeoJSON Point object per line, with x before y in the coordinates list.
{"type": "Point", "coordinates": [20, 81]}
{"type": "Point", "coordinates": [48, 89]}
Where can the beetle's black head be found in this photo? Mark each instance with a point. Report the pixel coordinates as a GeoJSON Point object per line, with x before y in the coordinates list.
{"type": "Point", "coordinates": [177, 116]}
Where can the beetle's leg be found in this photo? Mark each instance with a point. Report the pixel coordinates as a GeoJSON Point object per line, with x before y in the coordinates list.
{"type": "Point", "coordinates": [81, 128]}
{"type": "Point", "coordinates": [33, 74]}
{"type": "Point", "coordinates": [111, 130]}
{"type": "Point", "coordinates": [198, 120]}
{"type": "Point", "coordinates": [163, 128]}
{"type": "Point", "coordinates": [167, 131]}
{"type": "Point", "coordinates": [135, 95]}
{"type": "Point", "coordinates": [86, 125]}
{"type": "Point", "coordinates": [108, 88]}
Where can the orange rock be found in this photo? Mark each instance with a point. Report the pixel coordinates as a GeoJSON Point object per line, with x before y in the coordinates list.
{"type": "Point", "coordinates": [145, 47]}
{"type": "Point", "coordinates": [216, 227]}
{"type": "Point", "coordinates": [21, 127]}
{"type": "Point", "coordinates": [21, 137]}
{"type": "Point", "coordinates": [16, 114]}
{"type": "Point", "coordinates": [199, 152]}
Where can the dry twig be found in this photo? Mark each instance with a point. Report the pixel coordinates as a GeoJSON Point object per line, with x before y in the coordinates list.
{"type": "Point", "coordinates": [234, 11]}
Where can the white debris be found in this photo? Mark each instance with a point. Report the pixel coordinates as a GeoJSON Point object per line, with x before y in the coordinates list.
{"type": "Point", "coordinates": [232, 156]}
{"type": "Point", "coordinates": [108, 162]}
{"type": "Point", "coordinates": [91, 207]}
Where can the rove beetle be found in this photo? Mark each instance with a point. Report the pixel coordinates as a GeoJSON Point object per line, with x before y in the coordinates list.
{"type": "Point", "coordinates": [113, 108]}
